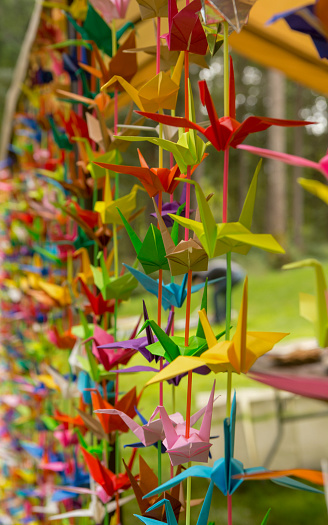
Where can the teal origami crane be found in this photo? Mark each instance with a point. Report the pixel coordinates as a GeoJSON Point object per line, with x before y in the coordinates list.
{"type": "Point", "coordinates": [173, 294]}
{"type": "Point", "coordinates": [228, 473]}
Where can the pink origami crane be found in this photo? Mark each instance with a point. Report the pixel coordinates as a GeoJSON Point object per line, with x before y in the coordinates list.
{"type": "Point", "coordinates": [292, 160]}
{"type": "Point", "coordinates": [171, 430]}
{"type": "Point", "coordinates": [110, 359]}
{"type": "Point", "coordinates": [111, 9]}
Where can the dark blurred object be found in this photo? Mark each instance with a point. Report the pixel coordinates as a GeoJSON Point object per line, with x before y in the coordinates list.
{"type": "Point", "coordinates": [218, 268]}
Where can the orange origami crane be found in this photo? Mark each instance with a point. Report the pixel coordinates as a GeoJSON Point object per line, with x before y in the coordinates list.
{"type": "Point", "coordinates": [154, 180]}
{"type": "Point", "coordinates": [122, 64]}
{"type": "Point", "coordinates": [126, 404]}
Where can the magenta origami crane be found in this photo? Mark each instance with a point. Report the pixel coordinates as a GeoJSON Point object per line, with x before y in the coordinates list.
{"type": "Point", "coordinates": [186, 32]}
{"type": "Point", "coordinates": [292, 160]}
{"type": "Point", "coordinates": [223, 132]}
{"type": "Point", "coordinates": [172, 430]}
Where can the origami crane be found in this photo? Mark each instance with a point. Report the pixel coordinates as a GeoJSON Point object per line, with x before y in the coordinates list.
{"type": "Point", "coordinates": [315, 187]}
{"type": "Point", "coordinates": [147, 480]}
{"type": "Point", "coordinates": [152, 8]}
{"type": "Point", "coordinates": [96, 511]}
{"type": "Point", "coordinates": [186, 32]}
{"type": "Point", "coordinates": [108, 207]}
{"type": "Point", "coordinates": [292, 160]}
{"type": "Point", "coordinates": [172, 347]}
{"type": "Point", "coordinates": [187, 255]}
{"type": "Point", "coordinates": [97, 303]}
{"type": "Point", "coordinates": [218, 239]}
{"type": "Point", "coordinates": [237, 355]}
{"type": "Point", "coordinates": [307, 386]}
{"type": "Point", "coordinates": [235, 12]}
{"type": "Point", "coordinates": [226, 131]}
{"type": "Point", "coordinates": [170, 516]}
{"type": "Point", "coordinates": [189, 150]}
{"type": "Point", "coordinates": [117, 356]}
{"type": "Point", "coordinates": [95, 28]}
{"type": "Point", "coordinates": [104, 137]}
{"type": "Point", "coordinates": [123, 64]}
{"type": "Point", "coordinates": [110, 482]}
{"type": "Point", "coordinates": [138, 344]}
{"type": "Point", "coordinates": [126, 404]}
{"type": "Point", "coordinates": [228, 473]}
{"type": "Point", "coordinates": [59, 293]}
{"type": "Point", "coordinates": [150, 252]}
{"type": "Point", "coordinates": [174, 207]}
{"type": "Point", "coordinates": [314, 307]}
{"type": "Point", "coordinates": [64, 340]}
{"type": "Point", "coordinates": [88, 156]}
{"type": "Point", "coordinates": [61, 139]}
{"type": "Point", "coordinates": [111, 9]}
{"type": "Point", "coordinates": [179, 448]}
{"type": "Point", "coordinates": [173, 294]}
{"type": "Point", "coordinates": [311, 20]}
{"type": "Point", "coordinates": [154, 180]}
{"type": "Point", "coordinates": [155, 429]}
{"type": "Point", "coordinates": [160, 92]}
{"type": "Point", "coordinates": [99, 102]}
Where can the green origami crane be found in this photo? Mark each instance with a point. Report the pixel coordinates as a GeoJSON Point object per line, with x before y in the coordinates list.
{"type": "Point", "coordinates": [314, 307]}
{"type": "Point", "coordinates": [96, 29]}
{"type": "Point", "coordinates": [171, 347]}
{"type": "Point", "coordinates": [218, 239]}
{"type": "Point", "coordinates": [151, 252]}
{"type": "Point", "coordinates": [119, 288]}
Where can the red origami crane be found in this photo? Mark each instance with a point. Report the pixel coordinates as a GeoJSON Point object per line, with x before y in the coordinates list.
{"type": "Point", "coordinates": [110, 482]}
{"type": "Point", "coordinates": [186, 32]}
{"type": "Point", "coordinates": [98, 304]}
{"type": "Point", "coordinates": [224, 132]}
{"type": "Point", "coordinates": [154, 180]}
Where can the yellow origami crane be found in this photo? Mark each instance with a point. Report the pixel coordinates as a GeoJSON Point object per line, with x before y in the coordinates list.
{"type": "Point", "coordinates": [108, 207]}
{"type": "Point", "coordinates": [218, 239]}
{"type": "Point", "coordinates": [161, 92]}
{"type": "Point", "coordinates": [315, 187]}
{"type": "Point", "coordinates": [237, 355]}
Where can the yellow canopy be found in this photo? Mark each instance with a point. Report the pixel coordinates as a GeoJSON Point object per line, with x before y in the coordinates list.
{"type": "Point", "coordinates": [279, 47]}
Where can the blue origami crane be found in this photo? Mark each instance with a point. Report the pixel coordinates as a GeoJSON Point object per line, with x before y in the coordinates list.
{"type": "Point", "coordinates": [305, 20]}
{"type": "Point", "coordinates": [170, 517]}
{"type": "Point", "coordinates": [172, 294]}
{"type": "Point", "coordinates": [224, 471]}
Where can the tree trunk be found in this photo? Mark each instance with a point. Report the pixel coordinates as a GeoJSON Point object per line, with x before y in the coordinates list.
{"type": "Point", "coordinates": [298, 200]}
{"type": "Point", "coordinates": [277, 194]}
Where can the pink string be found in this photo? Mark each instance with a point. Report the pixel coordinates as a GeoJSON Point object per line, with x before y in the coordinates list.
{"type": "Point", "coordinates": [158, 46]}
{"type": "Point", "coordinates": [115, 111]}
{"type": "Point", "coordinates": [225, 185]}
{"type": "Point", "coordinates": [187, 202]}
{"type": "Point", "coordinates": [229, 509]}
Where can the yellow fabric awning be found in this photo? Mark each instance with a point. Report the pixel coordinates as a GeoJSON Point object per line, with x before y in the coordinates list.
{"type": "Point", "coordinates": [279, 47]}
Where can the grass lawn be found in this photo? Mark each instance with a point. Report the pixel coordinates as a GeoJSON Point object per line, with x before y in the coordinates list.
{"type": "Point", "coordinates": [273, 306]}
